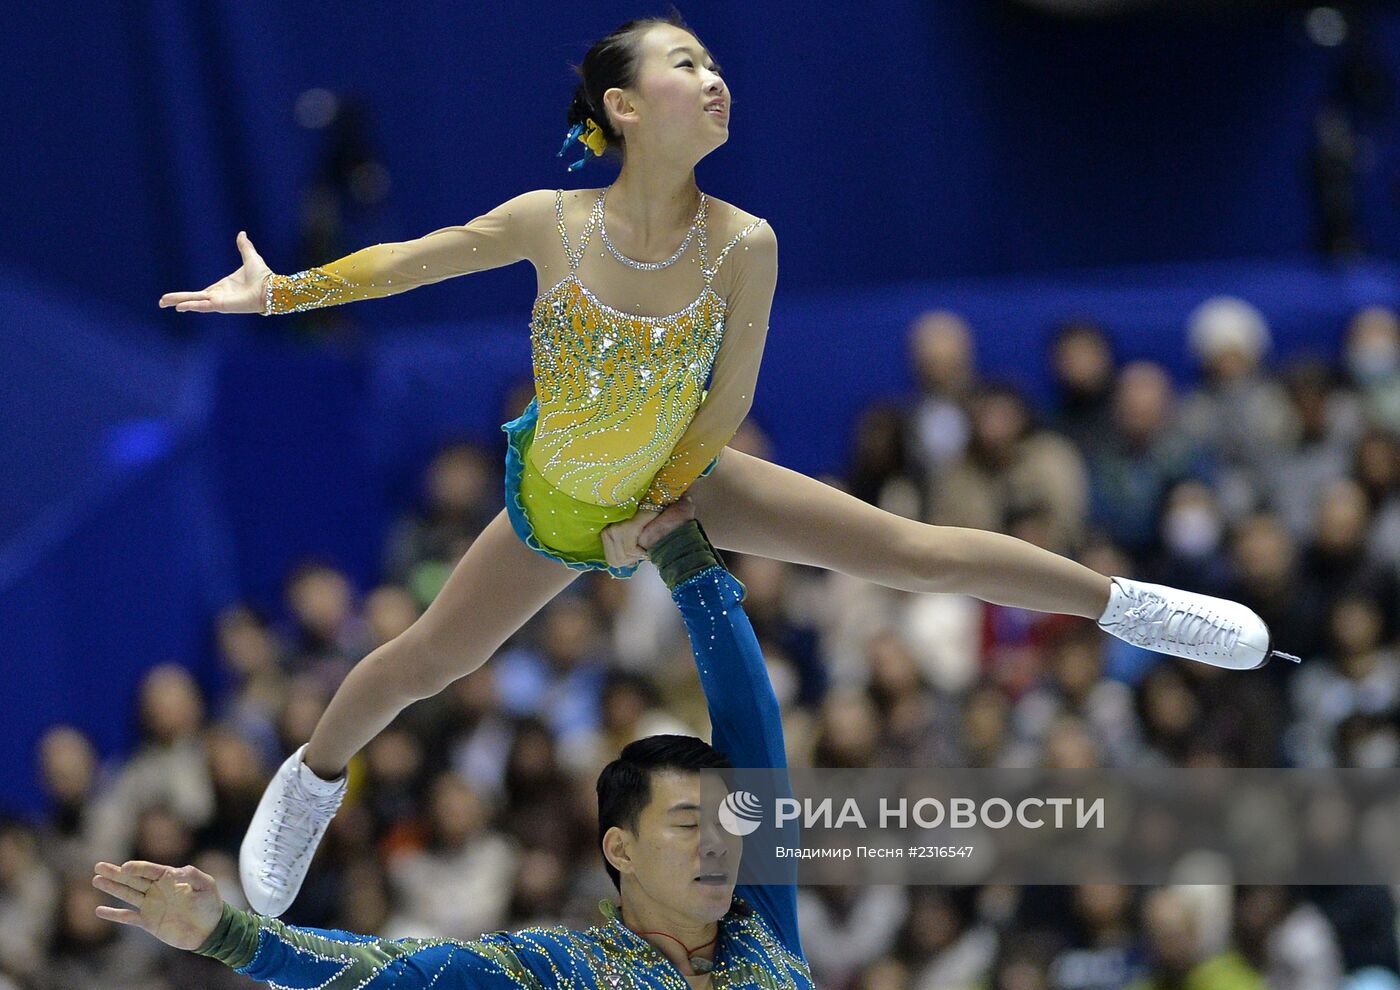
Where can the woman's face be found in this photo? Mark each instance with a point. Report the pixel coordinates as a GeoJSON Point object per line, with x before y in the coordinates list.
{"type": "Point", "coordinates": [674, 98]}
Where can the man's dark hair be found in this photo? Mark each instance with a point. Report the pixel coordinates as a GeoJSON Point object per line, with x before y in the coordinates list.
{"type": "Point", "coordinates": [624, 786]}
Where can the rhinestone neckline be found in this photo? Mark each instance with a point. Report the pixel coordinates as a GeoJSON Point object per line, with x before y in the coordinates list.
{"type": "Point", "coordinates": [650, 266]}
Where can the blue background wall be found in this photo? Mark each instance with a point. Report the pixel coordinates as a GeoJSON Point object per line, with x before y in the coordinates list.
{"type": "Point", "coordinates": [964, 153]}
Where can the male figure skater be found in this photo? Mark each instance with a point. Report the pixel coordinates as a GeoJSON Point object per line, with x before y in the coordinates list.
{"type": "Point", "coordinates": [679, 921]}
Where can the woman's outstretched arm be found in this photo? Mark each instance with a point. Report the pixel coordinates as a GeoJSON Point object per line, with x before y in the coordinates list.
{"type": "Point", "coordinates": [505, 235]}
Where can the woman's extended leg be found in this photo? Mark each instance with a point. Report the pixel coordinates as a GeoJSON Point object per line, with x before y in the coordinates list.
{"type": "Point", "coordinates": [751, 506]}
{"type": "Point", "coordinates": [496, 586]}
{"type": "Point", "coordinates": [756, 507]}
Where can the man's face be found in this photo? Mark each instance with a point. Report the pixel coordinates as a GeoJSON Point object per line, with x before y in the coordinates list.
{"type": "Point", "coordinates": [681, 857]}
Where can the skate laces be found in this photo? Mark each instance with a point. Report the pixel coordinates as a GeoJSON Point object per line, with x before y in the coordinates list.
{"type": "Point", "coordinates": [302, 818]}
{"type": "Point", "coordinates": [1155, 620]}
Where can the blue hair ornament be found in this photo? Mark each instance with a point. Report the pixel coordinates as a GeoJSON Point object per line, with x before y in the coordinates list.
{"type": "Point", "coordinates": [590, 135]}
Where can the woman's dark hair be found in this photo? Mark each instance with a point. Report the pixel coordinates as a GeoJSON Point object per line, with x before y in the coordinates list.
{"type": "Point", "coordinates": [624, 786]}
{"type": "Point", "coordinates": [612, 62]}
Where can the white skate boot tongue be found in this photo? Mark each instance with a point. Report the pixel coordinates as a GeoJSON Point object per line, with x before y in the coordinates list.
{"type": "Point", "coordinates": [1119, 601]}
{"type": "Point", "coordinates": [318, 786]}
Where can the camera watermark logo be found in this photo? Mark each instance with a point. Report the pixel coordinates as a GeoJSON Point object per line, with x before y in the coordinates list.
{"type": "Point", "coordinates": [740, 813]}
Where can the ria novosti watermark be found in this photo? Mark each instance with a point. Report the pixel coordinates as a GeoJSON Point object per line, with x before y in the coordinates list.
{"type": "Point", "coordinates": [1145, 825]}
{"type": "Point", "coordinates": [742, 813]}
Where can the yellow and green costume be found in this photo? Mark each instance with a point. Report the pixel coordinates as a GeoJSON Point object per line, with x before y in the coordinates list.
{"type": "Point", "coordinates": [611, 427]}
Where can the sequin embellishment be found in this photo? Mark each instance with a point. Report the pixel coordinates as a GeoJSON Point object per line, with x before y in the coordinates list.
{"type": "Point", "coordinates": [617, 390]}
{"type": "Point", "coordinates": [310, 289]}
{"type": "Point", "coordinates": [750, 957]}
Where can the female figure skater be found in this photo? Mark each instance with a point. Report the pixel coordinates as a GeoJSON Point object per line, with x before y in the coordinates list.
{"type": "Point", "coordinates": [636, 310]}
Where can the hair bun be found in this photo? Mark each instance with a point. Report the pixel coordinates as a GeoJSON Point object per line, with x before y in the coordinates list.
{"type": "Point", "coordinates": [579, 108]}
{"type": "Point", "coordinates": [612, 62]}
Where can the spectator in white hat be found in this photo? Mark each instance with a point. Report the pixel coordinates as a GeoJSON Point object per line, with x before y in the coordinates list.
{"type": "Point", "coordinates": [1239, 412]}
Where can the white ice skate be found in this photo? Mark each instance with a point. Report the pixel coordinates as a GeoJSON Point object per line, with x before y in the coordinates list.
{"type": "Point", "coordinates": [290, 820]}
{"type": "Point", "coordinates": [1211, 630]}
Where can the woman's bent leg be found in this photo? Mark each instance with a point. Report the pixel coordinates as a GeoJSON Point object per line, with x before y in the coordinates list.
{"type": "Point", "coordinates": [496, 586]}
{"type": "Point", "coordinates": [752, 506]}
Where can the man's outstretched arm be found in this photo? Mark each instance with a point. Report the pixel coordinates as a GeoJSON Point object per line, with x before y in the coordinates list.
{"type": "Point", "coordinates": [746, 724]}
{"type": "Point", "coordinates": [182, 907]}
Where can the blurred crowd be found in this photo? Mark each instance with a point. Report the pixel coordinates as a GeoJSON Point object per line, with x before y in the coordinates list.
{"type": "Point", "coordinates": [1277, 484]}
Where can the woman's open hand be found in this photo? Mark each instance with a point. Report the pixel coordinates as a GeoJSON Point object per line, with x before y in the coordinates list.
{"type": "Point", "coordinates": [181, 907]}
{"type": "Point", "coordinates": [240, 292]}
